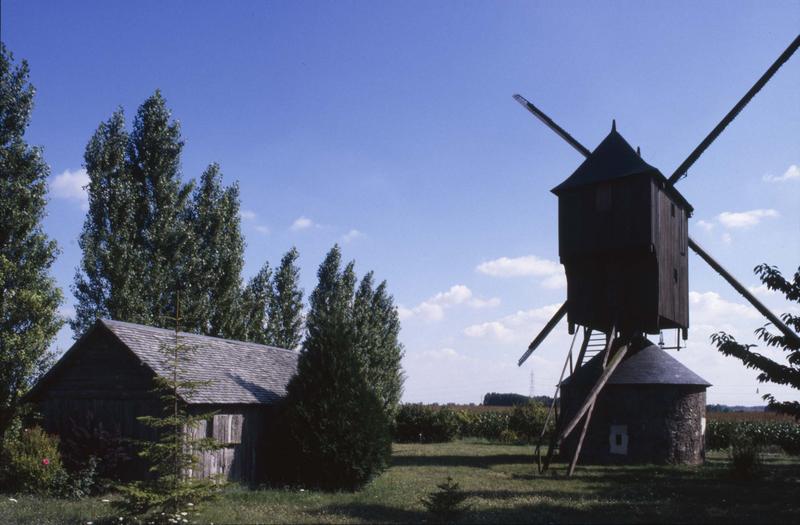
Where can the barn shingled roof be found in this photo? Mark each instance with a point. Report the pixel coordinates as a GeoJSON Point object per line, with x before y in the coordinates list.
{"type": "Point", "coordinates": [614, 159]}
{"type": "Point", "coordinates": [647, 365]}
{"type": "Point", "coordinates": [235, 371]}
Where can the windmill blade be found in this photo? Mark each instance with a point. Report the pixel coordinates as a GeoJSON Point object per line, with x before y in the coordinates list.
{"type": "Point", "coordinates": [694, 155]}
{"type": "Point", "coordinates": [560, 313]}
{"type": "Point", "coordinates": [758, 305]}
{"type": "Point", "coordinates": [538, 113]}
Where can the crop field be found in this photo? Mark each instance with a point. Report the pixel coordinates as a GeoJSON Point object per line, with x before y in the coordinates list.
{"type": "Point", "coordinates": [503, 487]}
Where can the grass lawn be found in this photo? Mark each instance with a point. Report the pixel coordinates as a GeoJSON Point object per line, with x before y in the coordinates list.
{"type": "Point", "coordinates": [504, 488]}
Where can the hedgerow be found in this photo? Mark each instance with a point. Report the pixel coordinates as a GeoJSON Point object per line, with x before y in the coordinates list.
{"type": "Point", "coordinates": [784, 434]}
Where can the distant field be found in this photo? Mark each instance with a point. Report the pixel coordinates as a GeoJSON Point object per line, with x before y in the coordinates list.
{"type": "Point", "coordinates": [748, 416]}
{"type": "Point", "coordinates": [504, 487]}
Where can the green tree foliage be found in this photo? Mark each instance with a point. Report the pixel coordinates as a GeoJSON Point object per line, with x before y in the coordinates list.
{"type": "Point", "coordinates": [29, 298]}
{"type": "Point", "coordinates": [286, 304]}
{"type": "Point", "coordinates": [175, 454]}
{"type": "Point", "coordinates": [256, 301]}
{"type": "Point", "coordinates": [337, 428]}
{"type": "Point", "coordinates": [377, 328]}
{"type": "Point", "coordinates": [147, 233]}
{"type": "Point", "coordinates": [214, 302]}
{"type": "Point", "coordinates": [787, 373]}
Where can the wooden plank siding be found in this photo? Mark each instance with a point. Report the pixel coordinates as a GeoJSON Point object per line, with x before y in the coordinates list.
{"type": "Point", "coordinates": [625, 255]}
{"type": "Point", "coordinates": [103, 385]}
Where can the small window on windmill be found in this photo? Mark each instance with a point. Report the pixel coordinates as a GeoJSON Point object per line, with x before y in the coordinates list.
{"type": "Point", "coordinates": [618, 439]}
{"type": "Point", "coordinates": [675, 275]}
{"type": "Point", "coordinates": [603, 198]}
{"type": "Point", "coordinates": [672, 209]}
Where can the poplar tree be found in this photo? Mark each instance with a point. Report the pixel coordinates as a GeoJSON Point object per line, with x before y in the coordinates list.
{"type": "Point", "coordinates": [256, 300]}
{"type": "Point", "coordinates": [377, 328]}
{"type": "Point", "coordinates": [112, 278]}
{"type": "Point", "coordinates": [286, 304]}
{"type": "Point", "coordinates": [29, 298]}
{"type": "Point", "coordinates": [154, 151]}
{"type": "Point", "coordinates": [216, 258]}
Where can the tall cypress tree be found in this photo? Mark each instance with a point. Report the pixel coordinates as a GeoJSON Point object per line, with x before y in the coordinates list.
{"type": "Point", "coordinates": [335, 422]}
{"type": "Point", "coordinates": [29, 297]}
{"type": "Point", "coordinates": [286, 304]}
{"type": "Point", "coordinates": [213, 302]}
{"type": "Point", "coordinates": [256, 300]}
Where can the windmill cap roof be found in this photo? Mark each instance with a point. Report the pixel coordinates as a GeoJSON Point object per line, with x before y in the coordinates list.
{"type": "Point", "coordinates": [614, 159]}
{"type": "Point", "coordinates": [649, 365]}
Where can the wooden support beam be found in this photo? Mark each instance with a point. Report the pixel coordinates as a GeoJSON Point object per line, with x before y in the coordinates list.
{"type": "Point", "coordinates": [758, 305]}
{"type": "Point", "coordinates": [577, 452]}
{"type": "Point", "coordinates": [560, 313]}
{"type": "Point", "coordinates": [594, 392]}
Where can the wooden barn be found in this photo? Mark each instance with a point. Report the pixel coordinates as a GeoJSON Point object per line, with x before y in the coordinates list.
{"type": "Point", "coordinates": [623, 240]}
{"type": "Point", "coordinates": [105, 380]}
{"type": "Point", "coordinates": [652, 410]}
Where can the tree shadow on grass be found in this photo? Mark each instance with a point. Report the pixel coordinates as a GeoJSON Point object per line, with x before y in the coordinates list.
{"type": "Point", "coordinates": [460, 461]}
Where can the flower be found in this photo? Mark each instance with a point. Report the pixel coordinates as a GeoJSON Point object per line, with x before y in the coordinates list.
{"type": "Point", "coordinates": [105, 500]}
{"type": "Point", "coordinates": [190, 504]}
{"type": "Point", "coordinates": [45, 461]}
{"type": "Point", "coordinates": [12, 500]}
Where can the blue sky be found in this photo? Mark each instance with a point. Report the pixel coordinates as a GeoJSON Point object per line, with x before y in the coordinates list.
{"type": "Point", "coordinates": [389, 128]}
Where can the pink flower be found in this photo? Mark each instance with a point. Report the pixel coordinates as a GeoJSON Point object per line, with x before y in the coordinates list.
{"type": "Point", "coordinates": [45, 461]}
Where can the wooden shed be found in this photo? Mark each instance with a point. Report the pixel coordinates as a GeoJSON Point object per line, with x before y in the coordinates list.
{"type": "Point", "coordinates": [623, 240]}
{"type": "Point", "coordinates": [106, 380]}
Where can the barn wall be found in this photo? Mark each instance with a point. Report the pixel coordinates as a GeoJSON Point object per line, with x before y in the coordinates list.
{"type": "Point", "coordinates": [241, 430]}
{"type": "Point", "coordinates": [102, 386]}
{"type": "Point", "coordinates": [661, 424]}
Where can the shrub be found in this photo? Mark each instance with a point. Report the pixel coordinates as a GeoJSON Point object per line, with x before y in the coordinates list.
{"type": "Point", "coordinates": [416, 423]}
{"type": "Point", "coordinates": [486, 425]}
{"type": "Point", "coordinates": [527, 421]}
{"type": "Point", "coordinates": [338, 432]}
{"type": "Point", "coordinates": [447, 503]}
{"type": "Point", "coordinates": [720, 435]}
{"type": "Point", "coordinates": [745, 456]}
{"type": "Point", "coordinates": [32, 463]}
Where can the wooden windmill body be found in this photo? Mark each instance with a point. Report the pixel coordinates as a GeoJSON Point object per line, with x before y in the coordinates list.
{"type": "Point", "coordinates": [624, 243]}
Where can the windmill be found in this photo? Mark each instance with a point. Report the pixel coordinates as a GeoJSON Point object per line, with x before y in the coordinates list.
{"type": "Point", "coordinates": [623, 240]}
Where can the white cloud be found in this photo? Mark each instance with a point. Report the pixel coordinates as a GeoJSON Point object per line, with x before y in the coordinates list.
{"type": "Point", "coordinates": [71, 185]}
{"type": "Point", "coordinates": [433, 309]}
{"type": "Point", "coordinates": [551, 272]}
{"type": "Point", "coordinates": [247, 215]}
{"type": "Point", "coordinates": [707, 226]}
{"type": "Point", "coordinates": [745, 219]}
{"type": "Point", "coordinates": [263, 230]}
{"type": "Point", "coordinates": [726, 238]}
{"type": "Point", "coordinates": [522, 325]}
{"type": "Point", "coordinates": [351, 236]}
{"type": "Point", "coordinates": [792, 173]}
{"type": "Point", "coordinates": [302, 223]}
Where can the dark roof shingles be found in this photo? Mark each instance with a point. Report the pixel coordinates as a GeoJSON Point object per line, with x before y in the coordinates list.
{"type": "Point", "coordinates": [231, 372]}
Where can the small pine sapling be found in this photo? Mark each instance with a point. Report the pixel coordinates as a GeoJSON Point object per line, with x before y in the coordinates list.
{"type": "Point", "coordinates": [171, 492]}
{"type": "Point", "coordinates": [446, 503]}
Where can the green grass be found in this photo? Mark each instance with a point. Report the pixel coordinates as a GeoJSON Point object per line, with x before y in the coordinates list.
{"type": "Point", "coordinates": [504, 487]}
